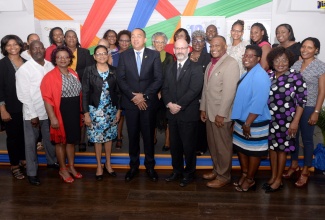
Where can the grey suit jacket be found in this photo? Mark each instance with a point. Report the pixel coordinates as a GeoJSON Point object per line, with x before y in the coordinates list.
{"type": "Point", "coordinates": [219, 90]}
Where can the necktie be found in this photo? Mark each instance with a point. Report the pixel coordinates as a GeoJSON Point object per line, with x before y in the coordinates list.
{"type": "Point", "coordinates": [179, 69]}
{"type": "Point", "coordinates": [138, 62]}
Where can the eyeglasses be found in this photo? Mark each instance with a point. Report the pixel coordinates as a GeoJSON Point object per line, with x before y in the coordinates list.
{"type": "Point", "coordinates": [124, 41]}
{"type": "Point", "coordinates": [197, 41]}
{"type": "Point", "coordinates": [159, 42]}
{"type": "Point", "coordinates": [180, 48]}
{"type": "Point", "coordinates": [249, 56]}
{"type": "Point", "coordinates": [101, 54]}
{"type": "Point", "coordinates": [62, 58]}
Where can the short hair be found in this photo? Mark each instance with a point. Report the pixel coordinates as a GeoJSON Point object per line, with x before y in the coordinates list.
{"type": "Point", "coordinates": [106, 34]}
{"type": "Point", "coordinates": [277, 52]}
{"type": "Point", "coordinates": [29, 35]}
{"type": "Point", "coordinates": [262, 28]}
{"type": "Point", "coordinates": [100, 46]}
{"type": "Point", "coordinates": [215, 27]}
{"type": "Point", "coordinates": [51, 34]}
{"type": "Point", "coordinates": [144, 33]}
{"type": "Point", "coordinates": [78, 44]}
{"type": "Point", "coordinates": [239, 22]}
{"type": "Point", "coordinates": [198, 33]}
{"type": "Point", "coordinates": [222, 38]}
{"type": "Point", "coordinates": [256, 48]}
{"type": "Point", "coordinates": [313, 39]}
{"type": "Point", "coordinates": [58, 49]}
{"type": "Point", "coordinates": [123, 32]}
{"type": "Point", "coordinates": [188, 38]}
{"type": "Point", "coordinates": [6, 39]}
{"type": "Point", "coordinates": [289, 28]}
{"type": "Point", "coordinates": [157, 34]}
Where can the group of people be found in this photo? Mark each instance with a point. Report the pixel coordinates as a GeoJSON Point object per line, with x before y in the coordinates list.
{"type": "Point", "coordinates": [205, 94]}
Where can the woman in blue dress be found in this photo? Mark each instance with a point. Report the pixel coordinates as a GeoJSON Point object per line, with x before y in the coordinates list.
{"type": "Point", "coordinates": [100, 103]}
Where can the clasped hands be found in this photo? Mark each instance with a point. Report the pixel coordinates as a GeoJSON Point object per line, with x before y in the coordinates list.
{"type": "Point", "coordinates": [173, 108]}
{"type": "Point", "coordinates": [139, 101]}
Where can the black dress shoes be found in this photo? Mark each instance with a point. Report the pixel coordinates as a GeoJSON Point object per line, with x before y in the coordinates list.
{"type": "Point", "coordinates": [33, 180]}
{"type": "Point", "coordinates": [172, 177]}
{"type": "Point", "coordinates": [53, 166]}
{"type": "Point", "coordinates": [152, 174]}
{"type": "Point", "coordinates": [131, 174]}
{"type": "Point", "coordinates": [99, 177]}
{"type": "Point", "coordinates": [185, 181]}
{"type": "Point", "coordinates": [113, 174]}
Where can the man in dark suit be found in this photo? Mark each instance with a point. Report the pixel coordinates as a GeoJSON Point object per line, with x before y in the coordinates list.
{"type": "Point", "coordinates": [139, 76]}
{"type": "Point", "coordinates": [181, 93]}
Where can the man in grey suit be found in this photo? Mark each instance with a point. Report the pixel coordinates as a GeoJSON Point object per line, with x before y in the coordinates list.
{"type": "Point", "coordinates": [220, 83]}
{"type": "Point", "coordinates": [139, 76]}
{"type": "Point", "coordinates": [181, 93]}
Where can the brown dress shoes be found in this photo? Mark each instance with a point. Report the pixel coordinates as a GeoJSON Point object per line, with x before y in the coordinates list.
{"type": "Point", "coordinates": [209, 176]}
{"type": "Point", "coordinates": [217, 183]}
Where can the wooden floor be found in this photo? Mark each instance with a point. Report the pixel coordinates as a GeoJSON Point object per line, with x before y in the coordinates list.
{"type": "Point", "coordinates": [142, 199]}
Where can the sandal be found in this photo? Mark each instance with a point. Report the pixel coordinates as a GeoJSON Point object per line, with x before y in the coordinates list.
{"type": "Point", "coordinates": [118, 144]}
{"type": "Point", "coordinates": [241, 179]}
{"type": "Point", "coordinates": [17, 173]}
{"type": "Point", "coordinates": [67, 179]}
{"type": "Point", "coordinates": [251, 186]}
{"type": "Point", "coordinates": [291, 172]}
{"type": "Point", "coordinates": [303, 180]}
{"type": "Point", "coordinates": [77, 175]}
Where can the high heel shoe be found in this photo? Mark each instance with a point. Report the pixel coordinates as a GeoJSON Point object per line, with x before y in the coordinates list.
{"type": "Point", "coordinates": [291, 172]}
{"type": "Point", "coordinates": [266, 186]}
{"type": "Point", "coordinates": [271, 190]}
{"type": "Point", "coordinates": [303, 180]}
{"type": "Point", "coordinates": [252, 186]}
{"type": "Point", "coordinates": [240, 180]}
{"type": "Point", "coordinates": [113, 174]}
{"type": "Point", "coordinates": [68, 179]}
{"type": "Point", "coordinates": [77, 176]}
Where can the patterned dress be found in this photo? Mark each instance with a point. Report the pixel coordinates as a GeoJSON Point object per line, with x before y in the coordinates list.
{"type": "Point", "coordinates": [104, 126]}
{"type": "Point", "coordinates": [287, 91]}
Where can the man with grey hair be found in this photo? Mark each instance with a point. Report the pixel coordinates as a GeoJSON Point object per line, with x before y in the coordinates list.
{"type": "Point", "coordinates": [28, 80]}
{"type": "Point", "coordinates": [211, 32]}
{"type": "Point", "coordinates": [181, 93]}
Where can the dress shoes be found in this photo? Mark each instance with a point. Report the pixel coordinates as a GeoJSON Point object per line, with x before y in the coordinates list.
{"type": "Point", "coordinates": [53, 166]}
{"type": "Point", "coordinates": [217, 184]}
{"type": "Point", "coordinates": [113, 174]}
{"type": "Point", "coordinates": [152, 174]}
{"type": "Point", "coordinates": [99, 177]}
{"type": "Point", "coordinates": [185, 181]}
{"type": "Point", "coordinates": [210, 176]}
{"type": "Point", "coordinates": [33, 180]}
{"type": "Point", "coordinates": [131, 174]}
{"type": "Point", "coordinates": [172, 177]}
{"type": "Point", "coordinates": [165, 148]}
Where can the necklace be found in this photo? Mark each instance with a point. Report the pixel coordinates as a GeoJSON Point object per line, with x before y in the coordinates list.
{"type": "Point", "coordinates": [194, 59]}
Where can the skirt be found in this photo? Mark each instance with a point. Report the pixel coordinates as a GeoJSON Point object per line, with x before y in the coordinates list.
{"type": "Point", "coordinates": [70, 111]}
{"type": "Point", "coordinates": [257, 144]}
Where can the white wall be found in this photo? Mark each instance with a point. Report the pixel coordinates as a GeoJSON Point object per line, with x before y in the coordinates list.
{"type": "Point", "coordinates": [304, 17]}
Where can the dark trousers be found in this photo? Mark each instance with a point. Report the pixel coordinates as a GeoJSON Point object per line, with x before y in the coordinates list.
{"type": "Point", "coordinates": [141, 121]}
{"type": "Point", "coordinates": [15, 138]}
{"type": "Point", "coordinates": [183, 139]}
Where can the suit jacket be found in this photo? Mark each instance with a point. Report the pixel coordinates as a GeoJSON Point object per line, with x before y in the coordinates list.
{"type": "Point", "coordinates": [149, 82]}
{"type": "Point", "coordinates": [185, 91]}
{"type": "Point", "coordinates": [92, 85]}
{"type": "Point", "coordinates": [84, 59]}
{"type": "Point", "coordinates": [8, 92]}
{"type": "Point", "coordinates": [219, 90]}
{"type": "Point", "coordinates": [203, 60]}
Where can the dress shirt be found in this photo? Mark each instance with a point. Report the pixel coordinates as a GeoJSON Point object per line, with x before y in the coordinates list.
{"type": "Point", "coordinates": [141, 54]}
{"type": "Point", "coordinates": [26, 55]}
{"type": "Point", "coordinates": [28, 80]}
{"type": "Point", "coordinates": [182, 63]}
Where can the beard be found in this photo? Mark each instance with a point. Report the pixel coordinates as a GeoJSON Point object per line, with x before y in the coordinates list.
{"type": "Point", "coordinates": [180, 56]}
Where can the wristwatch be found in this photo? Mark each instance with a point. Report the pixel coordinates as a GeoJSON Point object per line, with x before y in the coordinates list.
{"type": "Point", "coordinates": [146, 97]}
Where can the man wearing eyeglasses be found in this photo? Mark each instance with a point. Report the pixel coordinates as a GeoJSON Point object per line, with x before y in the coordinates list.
{"type": "Point", "coordinates": [139, 76]}
{"type": "Point", "coordinates": [181, 93]}
{"type": "Point", "coordinates": [220, 83]}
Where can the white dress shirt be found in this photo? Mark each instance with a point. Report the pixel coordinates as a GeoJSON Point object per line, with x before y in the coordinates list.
{"type": "Point", "coordinates": [28, 80]}
{"type": "Point", "coordinates": [26, 55]}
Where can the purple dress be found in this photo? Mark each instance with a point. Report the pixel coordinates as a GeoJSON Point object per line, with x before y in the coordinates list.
{"type": "Point", "coordinates": [287, 91]}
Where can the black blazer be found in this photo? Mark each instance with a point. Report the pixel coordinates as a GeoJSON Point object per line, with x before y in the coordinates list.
{"type": "Point", "coordinates": [168, 60]}
{"type": "Point", "coordinates": [204, 59]}
{"type": "Point", "coordinates": [84, 59]}
{"type": "Point", "coordinates": [8, 92]}
{"type": "Point", "coordinates": [92, 85]}
{"type": "Point", "coordinates": [185, 91]}
{"type": "Point", "coordinates": [149, 82]}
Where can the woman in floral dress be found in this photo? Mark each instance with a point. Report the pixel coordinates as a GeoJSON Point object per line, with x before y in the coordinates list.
{"type": "Point", "coordinates": [101, 107]}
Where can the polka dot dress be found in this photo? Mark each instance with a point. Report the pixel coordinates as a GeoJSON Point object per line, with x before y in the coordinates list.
{"type": "Point", "coordinates": [287, 91]}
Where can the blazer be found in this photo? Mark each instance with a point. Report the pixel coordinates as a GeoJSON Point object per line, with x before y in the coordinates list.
{"type": "Point", "coordinates": [185, 91]}
{"type": "Point", "coordinates": [149, 82]}
{"type": "Point", "coordinates": [8, 92]}
{"type": "Point", "coordinates": [219, 90]}
{"type": "Point", "coordinates": [203, 60]}
{"type": "Point", "coordinates": [84, 59]}
{"type": "Point", "coordinates": [92, 85]}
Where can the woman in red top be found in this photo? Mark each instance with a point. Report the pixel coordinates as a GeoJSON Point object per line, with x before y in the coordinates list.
{"type": "Point", "coordinates": [56, 39]}
{"type": "Point", "coordinates": [61, 91]}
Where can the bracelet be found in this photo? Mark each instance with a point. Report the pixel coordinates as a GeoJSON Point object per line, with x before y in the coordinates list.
{"type": "Point", "coordinates": [316, 111]}
{"type": "Point", "coordinates": [247, 125]}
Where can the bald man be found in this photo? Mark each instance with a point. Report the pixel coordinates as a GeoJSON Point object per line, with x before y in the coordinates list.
{"type": "Point", "coordinates": [181, 93]}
